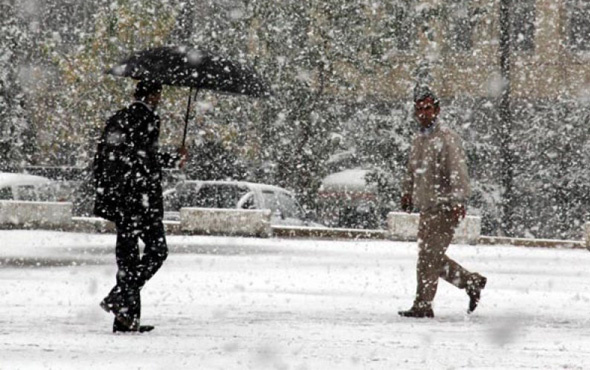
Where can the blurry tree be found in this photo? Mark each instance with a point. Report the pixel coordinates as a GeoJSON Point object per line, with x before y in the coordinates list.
{"type": "Point", "coordinates": [296, 62]}
{"type": "Point", "coordinates": [17, 138]}
{"type": "Point", "coordinates": [283, 139]}
{"type": "Point", "coordinates": [504, 129]}
{"type": "Point", "coordinates": [551, 171]}
{"type": "Point", "coordinates": [326, 61]}
{"type": "Point", "coordinates": [380, 135]}
{"type": "Point", "coordinates": [79, 96]}
{"type": "Point", "coordinates": [476, 121]}
{"type": "Point", "coordinates": [185, 18]}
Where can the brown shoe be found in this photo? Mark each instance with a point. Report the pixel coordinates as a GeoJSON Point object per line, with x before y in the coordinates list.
{"type": "Point", "coordinates": [420, 310]}
{"type": "Point", "coordinates": [475, 284]}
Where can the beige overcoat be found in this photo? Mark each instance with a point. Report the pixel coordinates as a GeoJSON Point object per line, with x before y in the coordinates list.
{"type": "Point", "coordinates": [437, 170]}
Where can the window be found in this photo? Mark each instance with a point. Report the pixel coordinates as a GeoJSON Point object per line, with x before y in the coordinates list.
{"type": "Point", "coordinates": [171, 203]}
{"type": "Point", "coordinates": [26, 193]}
{"type": "Point", "coordinates": [247, 202]}
{"type": "Point", "coordinates": [523, 25]}
{"type": "Point", "coordinates": [461, 25]}
{"type": "Point", "coordinates": [6, 193]}
{"type": "Point", "coordinates": [400, 22]}
{"type": "Point", "coordinates": [579, 25]}
{"type": "Point", "coordinates": [212, 196]}
{"type": "Point", "coordinates": [47, 193]}
{"type": "Point", "coordinates": [403, 27]}
{"type": "Point", "coordinates": [206, 197]}
{"type": "Point", "coordinates": [70, 18]}
{"type": "Point", "coordinates": [395, 29]}
{"type": "Point", "coordinates": [187, 194]}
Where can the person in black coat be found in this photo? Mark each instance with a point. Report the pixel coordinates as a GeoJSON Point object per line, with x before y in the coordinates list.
{"type": "Point", "coordinates": [128, 176]}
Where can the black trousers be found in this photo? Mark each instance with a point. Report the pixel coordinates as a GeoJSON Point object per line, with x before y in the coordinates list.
{"type": "Point", "coordinates": [135, 269]}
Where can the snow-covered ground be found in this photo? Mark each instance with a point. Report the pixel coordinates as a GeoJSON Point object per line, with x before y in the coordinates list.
{"type": "Point", "coordinates": [245, 303]}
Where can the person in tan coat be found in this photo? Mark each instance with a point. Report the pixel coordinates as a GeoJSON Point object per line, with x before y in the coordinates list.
{"type": "Point", "coordinates": [437, 184]}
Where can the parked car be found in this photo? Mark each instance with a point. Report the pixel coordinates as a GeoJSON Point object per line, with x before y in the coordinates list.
{"type": "Point", "coordinates": [347, 200]}
{"type": "Point", "coordinates": [285, 210]}
{"type": "Point", "coordinates": [69, 184]}
{"type": "Point", "coordinates": [20, 186]}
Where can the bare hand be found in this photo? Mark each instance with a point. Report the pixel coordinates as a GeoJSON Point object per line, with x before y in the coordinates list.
{"type": "Point", "coordinates": [459, 212]}
{"type": "Point", "coordinates": [406, 203]}
{"type": "Point", "coordinates": [183, 152]}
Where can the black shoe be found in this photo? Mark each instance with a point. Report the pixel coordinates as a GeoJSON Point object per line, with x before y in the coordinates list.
{"type": "Point", "coordinates": [418, 312]}
{"type": "Point", "coordinates": [126, 313]}
{"type": "Point", "coordinates": [114, 302]}
{"type": "Point", "coordinates": [474, 287]}
{"type": "Point", "coordinates": [109, 305]}
{"type": "Point", "coordinates": [120, 327]}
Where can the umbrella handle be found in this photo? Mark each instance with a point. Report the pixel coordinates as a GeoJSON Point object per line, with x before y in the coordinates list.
{"type": "Point", "coordinates": [188, 109]}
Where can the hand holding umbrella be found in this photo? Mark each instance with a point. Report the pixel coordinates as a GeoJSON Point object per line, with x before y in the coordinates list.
{"type": "Point", "coordinates": [183, 153]}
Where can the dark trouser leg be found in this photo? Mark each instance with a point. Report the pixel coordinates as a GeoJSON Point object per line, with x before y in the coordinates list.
{"type": "Point", "coordinates": [132, 317]}
{"type": "Point", "coordinates": [454, 273]}
{"type": "Point", "coordinates": [127, 254]}
{"type": "Point", "coordinates": [435, 233]}
{"type": "Point", "coordinates": [124, 297]}
{"type": "Point", "coordinates": [154, 254]}
{"type": "Point", "coordinates": [133, 271]}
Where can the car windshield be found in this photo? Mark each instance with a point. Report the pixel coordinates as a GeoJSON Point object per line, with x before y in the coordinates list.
{"type": "Point", "coordinates": [283, 202]}
{"type": "Point", "coordinates": [212, 195]}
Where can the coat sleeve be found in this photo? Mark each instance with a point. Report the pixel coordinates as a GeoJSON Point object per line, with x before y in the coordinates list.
{"type": "Point", "coordinates": [110, 169]}
{"type": "Point", "coordinates": [143, 149]}
{"type": "Point", "coordinates": [408, 181]}
{"type": "Point", "coordinates": [139, 151]}
{"type": "Point", "coordinates": [169, 160]}
{"type": "Point", "coordinates": [457, 176]}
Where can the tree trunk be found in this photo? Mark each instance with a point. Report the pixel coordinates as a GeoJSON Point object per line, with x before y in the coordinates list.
{"type": "Point", "coordinates": [505, 131]}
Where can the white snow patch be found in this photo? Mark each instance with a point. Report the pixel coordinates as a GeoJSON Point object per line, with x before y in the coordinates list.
{"type": "Point", "coordinates": [247, 303]}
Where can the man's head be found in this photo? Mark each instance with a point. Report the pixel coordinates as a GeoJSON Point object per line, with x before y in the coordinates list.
{"type": "Point", "coordinates": [426, 107]}
{"type": "Point", "coordinates": [149, 92]}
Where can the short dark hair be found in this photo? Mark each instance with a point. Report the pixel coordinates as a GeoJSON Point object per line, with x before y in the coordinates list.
{"type": "Point", "coordinates": [146, 88]}
{"type": "Point", "coordinates": [424, 92]}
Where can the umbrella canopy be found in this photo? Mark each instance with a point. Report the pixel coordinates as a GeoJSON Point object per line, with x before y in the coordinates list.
{"type": "Point", "coordinates": [191, 67]}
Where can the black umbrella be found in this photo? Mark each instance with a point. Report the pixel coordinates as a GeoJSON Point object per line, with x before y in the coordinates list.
{"type": "Point", "coordinates": [191, 67]}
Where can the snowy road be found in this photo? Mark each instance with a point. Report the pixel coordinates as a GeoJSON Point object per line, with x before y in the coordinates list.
{"type": "Point", "coordinates": [244, 303]}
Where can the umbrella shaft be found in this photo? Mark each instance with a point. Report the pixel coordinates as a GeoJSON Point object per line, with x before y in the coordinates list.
{"type": "Point", "coordinates": [188, 109]}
